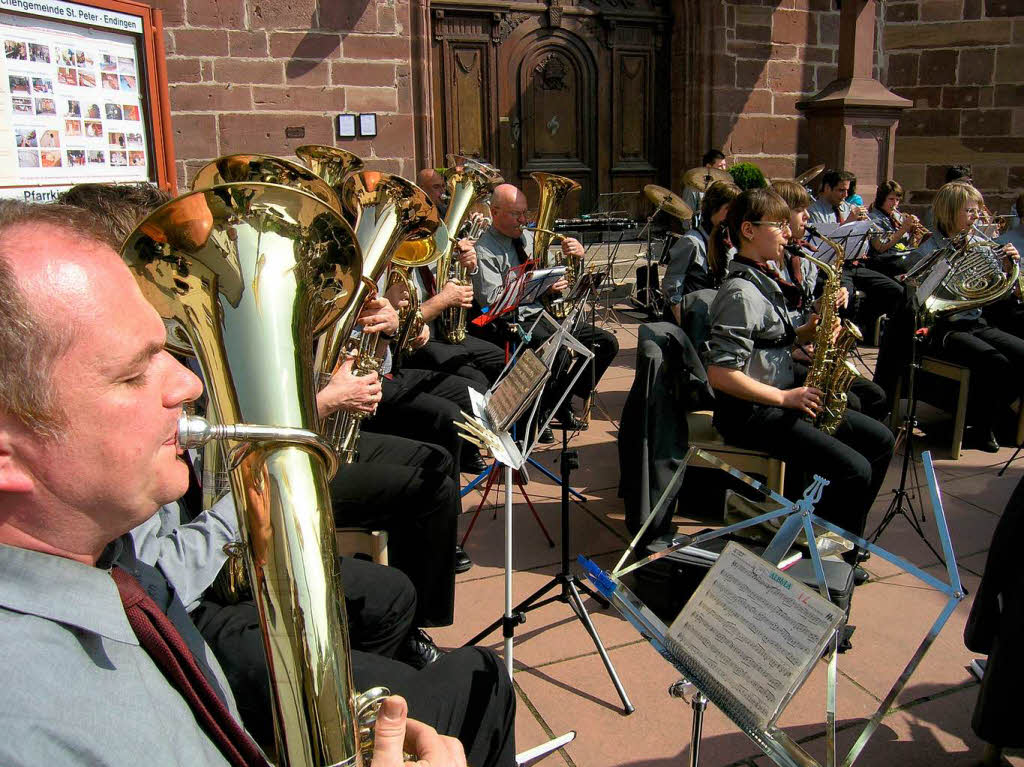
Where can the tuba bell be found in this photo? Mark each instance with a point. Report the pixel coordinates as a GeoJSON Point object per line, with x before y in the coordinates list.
{"type": "Point", "coordinates": [388, 210]}
{"type": "Point", "coordinates": [251, 271]}
{"type": "Point", "coordinates": [467, 182]}
{"type": "Point", "coordinates": [553, 191]}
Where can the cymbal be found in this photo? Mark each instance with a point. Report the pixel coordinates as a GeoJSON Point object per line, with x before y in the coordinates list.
{"type": "Point", "coordinates": [668, 201]}
{"type": "Point", "coordinates": [809, 175]}
{"type": "Point", "coordinates": [701, 178]}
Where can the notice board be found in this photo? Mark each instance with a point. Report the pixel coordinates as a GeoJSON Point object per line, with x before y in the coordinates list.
{"type": "Point", "coordinates": [83, 97]}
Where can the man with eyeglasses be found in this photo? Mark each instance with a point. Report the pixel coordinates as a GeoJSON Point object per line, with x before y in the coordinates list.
{"type": "Point", "coordinates": [508, 244]}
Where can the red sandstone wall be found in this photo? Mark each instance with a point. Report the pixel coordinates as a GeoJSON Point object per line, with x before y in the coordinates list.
{"type": "Point", "coordinates": [242, 71]}
{"type": "Point", "coordinates": [962, 64]}
{"type": "Point", "coordinates": [767, 56]}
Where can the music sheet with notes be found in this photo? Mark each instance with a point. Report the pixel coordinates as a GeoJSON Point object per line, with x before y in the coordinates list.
{"type": "Point", "coordinates": [750, 636]}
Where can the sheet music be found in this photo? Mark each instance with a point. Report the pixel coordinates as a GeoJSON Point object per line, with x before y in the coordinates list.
{"type": "Point", "coordinates": [852, 236]}
{"type": "Point", "coordinates": [750, 635]}
{"type": "Point", "coordinates": [511, 396]}
{"type": "Point", "coordinates": [540, 281]}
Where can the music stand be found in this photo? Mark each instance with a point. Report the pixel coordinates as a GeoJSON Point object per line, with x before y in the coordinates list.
{"type": "Point", "coordinates": [772, 740]}
{"type": "Point", "coordinates": [902, 501]}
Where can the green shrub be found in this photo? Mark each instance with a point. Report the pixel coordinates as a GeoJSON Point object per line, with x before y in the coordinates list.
{"type": "Point", "coordinates": [748, 176]}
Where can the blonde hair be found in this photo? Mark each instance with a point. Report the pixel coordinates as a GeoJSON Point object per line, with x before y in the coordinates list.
{"type": "Point", "coordinates": [949, 201]}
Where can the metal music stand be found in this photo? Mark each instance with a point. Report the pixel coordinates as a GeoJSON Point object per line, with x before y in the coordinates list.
{"type": "Point", "coordinates": [568, 583]}
{"type": "Point", "coordinates": [795, 517]}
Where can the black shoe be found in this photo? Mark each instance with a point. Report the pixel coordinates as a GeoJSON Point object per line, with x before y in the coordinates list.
{"type": "Point", "coordinates": [860, 576]}
{"type": "Point", "coordinates": [474, 463]}
{"type": "Point", "coordinates": [419, 650]}
{"type": "Point", "coordinates": [547, 437]}
{"type": "Point", "coordinates": [981, 439]}
{"type": "Point", "coordinates": [570, 422]}
{"type": "Point", "coordinates": [462, 560]}
{"type": "Point", "coordinates": [863, 555]}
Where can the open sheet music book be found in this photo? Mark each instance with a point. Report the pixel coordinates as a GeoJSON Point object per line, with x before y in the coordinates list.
{"type": "Point", "coordinates": [852, 236]}
{"type": "Point", "coordinates": [750, 635]}
{"type": "Point", "coordinates": [516, 390]}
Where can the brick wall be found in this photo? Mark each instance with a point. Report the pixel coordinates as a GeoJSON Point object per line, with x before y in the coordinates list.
{"type": "Point", "coordinates": [242, 71]}
{"type": "Point", "coordinates": [765, 57]}
{"type": "Point", "coordinates": [962, 64]}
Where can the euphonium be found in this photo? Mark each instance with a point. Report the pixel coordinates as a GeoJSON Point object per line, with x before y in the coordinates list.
{"type": "Point", "coordinates": [831, 370]}
{"type": "Point", "coordinates": [389, 210]}
{"type": "Point", "coordinates": [467, 181]}
{"type": "Point", "coordinates": [413, 254]}
{"type": "Point", "coordinates": [331, 164]}
{"type": "Point", "coordinates": [251, 272]}
{"type": "Point", "coordinates": [553, 191]}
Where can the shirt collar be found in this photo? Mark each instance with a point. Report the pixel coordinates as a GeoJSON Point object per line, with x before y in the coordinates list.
{"type": "Point", "coordinates": [761, 272]}
{"type": "Point", "coordinates": [64, 591]}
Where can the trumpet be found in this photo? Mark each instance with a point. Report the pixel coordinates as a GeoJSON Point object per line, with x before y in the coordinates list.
{"type": "Point", "coordinates": [918, 231]}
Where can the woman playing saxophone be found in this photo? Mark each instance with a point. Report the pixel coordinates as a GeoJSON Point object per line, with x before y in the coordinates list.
{"type": "Point", "coordinates": [758, 401]}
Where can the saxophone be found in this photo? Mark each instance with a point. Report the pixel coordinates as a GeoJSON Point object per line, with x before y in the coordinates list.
{"type": "Point", "coordinates": [831, 370]}
{"type": "Point", "coordinates": [251, 272]}
{"type": "Point", "coordinates": [553, 191]}
{"type": "Point", "coordinates": [468, 182]}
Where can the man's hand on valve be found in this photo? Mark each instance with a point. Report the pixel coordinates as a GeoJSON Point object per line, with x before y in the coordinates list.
{"type": "Point", "coordinates": [347, 391]}
{"type": "Point", "coordinates": [466, 254]}
{"type": "Point", "coordinates": [456, 295]}
{"type": "Point", "coordinates": [378, 316]}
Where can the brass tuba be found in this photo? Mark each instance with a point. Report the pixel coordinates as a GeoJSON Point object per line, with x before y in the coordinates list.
{"type": "Point", "coordinates": [251, 272]}
{"type": "Point", "coordinates": [468, 181]}
{"type": "Point", "coordinates": [331, 164]}
{"type": "Point", "coordinates": [553, 191]}
{"type": "Point", "coordinates": [388, 210]}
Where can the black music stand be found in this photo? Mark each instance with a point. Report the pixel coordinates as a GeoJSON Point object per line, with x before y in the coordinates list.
{"type": "Point", "coordinates": [902, 502]}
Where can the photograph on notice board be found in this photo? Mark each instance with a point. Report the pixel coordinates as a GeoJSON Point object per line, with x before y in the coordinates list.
{"type": "Point", "coordinates": [131, 112]}
{"type": "Point", "coordinates": [39, 53]}
{"type": "Point", "coordinates": [118, 158]}
{"type": "Point", "coordinates": [18, 83]}
{"type": "Point", "coordinates": [76, 158]}
{"type": "Point", "coordinates": [28, 158]}
{"type": "Point", "coordinates": [42, 85]}
{"type": "Point", "coordinates": [113, 111]}
{"type": "Point", "coordinates": [15, 50]}
{"type": "Point", "coordinates": [46, 106]}
{"type": "Point", "coordinates": [49, 138]}
{"type": "Point", "coordinates": [72, 127]}
{"type": "Point", "coordinates": [67, 76]}
{"type": "Point", "coordinates": [108, 63]}
{"type": "Point", "coordinates": [86, 79]}
{"type": "Point", "coordinates": [50, 158]}
{"type": "Point", "coordinates": [117, 139]}
{"type": "Point", "coordinates": [22, 105]}
{"type": "Point", "coordinates": [96, 157]}
{"type": "Point", "coordinates": [72, 108]}
{"type": "Point", "coordinates": [26, 137]}
{"type": "Point", "coordinates": [93, 128]}
{"type": "Point", "coordinates": [137, 159]}
{"type": "Point", "coordinates": [109, 81]}
{"type": "Point", "coordinates": [93, 113]}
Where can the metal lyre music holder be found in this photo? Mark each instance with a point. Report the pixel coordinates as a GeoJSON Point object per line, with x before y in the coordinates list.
{"type": "Point", "coordinates": [795, 518]}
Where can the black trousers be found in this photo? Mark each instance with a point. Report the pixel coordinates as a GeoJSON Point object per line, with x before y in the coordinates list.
{"type": "Point", "coordinates": [996, 361]}
{"type": "Point", "coordinates": [882, 294]}
{"type": "Point", "coordinates": [854, 460]}
{"type": "Point", "coordinates": [405, 487]}
{"type": "Point", "coordinates": [424, 405]}
{"type": "Point", "coordinates": [475, 359]}
{"type": "Point", "coordinates": [1006, 314]}
{"type": "Point", "coordinates": [466, 694]}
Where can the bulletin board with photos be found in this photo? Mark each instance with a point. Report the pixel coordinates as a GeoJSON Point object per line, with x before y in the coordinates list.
{"type": "Point", "coordinates": [83, 96]}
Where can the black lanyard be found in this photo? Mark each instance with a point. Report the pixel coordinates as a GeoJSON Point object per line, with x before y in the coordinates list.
{"type": "Point", "coordinates": [787, 338]}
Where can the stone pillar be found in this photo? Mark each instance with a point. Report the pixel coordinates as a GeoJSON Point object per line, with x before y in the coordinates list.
{"type": "Point", "coordinates": [852, 121]}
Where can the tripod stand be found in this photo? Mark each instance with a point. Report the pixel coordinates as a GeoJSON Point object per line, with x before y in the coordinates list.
{"type": "Point", "coordinates": [902, 502]}
{"type": "Point", "coordinates": [566, 582]}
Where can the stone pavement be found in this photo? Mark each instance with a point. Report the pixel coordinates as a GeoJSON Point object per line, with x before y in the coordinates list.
{"type": "Point", "coordinates": [563, 685]}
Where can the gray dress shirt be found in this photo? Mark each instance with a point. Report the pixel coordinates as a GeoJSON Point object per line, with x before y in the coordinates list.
{"type": "Point", "coordinates": [495, 255]}
{"type": "Point", "coordinates": [78, 688]}
{"type": "Point", "coordinates": [821, 212]}
{"type": "Point", "coordinates": [689, 253]}
{"type": "Point", "coordinates": [188, 552]}
{"type": "Point", "coordinates": [741, 315]}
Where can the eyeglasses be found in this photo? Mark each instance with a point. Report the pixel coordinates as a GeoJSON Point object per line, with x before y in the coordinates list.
{"type": "Point", "coordinates": [972, 211]}
{"type": "Point", "coordinates": [777, 225]}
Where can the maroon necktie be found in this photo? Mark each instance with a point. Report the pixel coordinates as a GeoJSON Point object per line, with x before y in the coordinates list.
{"type": "Point", "coordinates": [428, 280]}
{"type": "Point", "coordinates": [167, 648]}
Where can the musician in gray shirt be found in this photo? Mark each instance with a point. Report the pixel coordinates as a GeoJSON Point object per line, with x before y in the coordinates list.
{"type": "Point", "coordinates": [508, 244]}
{"type": "Point", "coordinates": [88, 422]}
